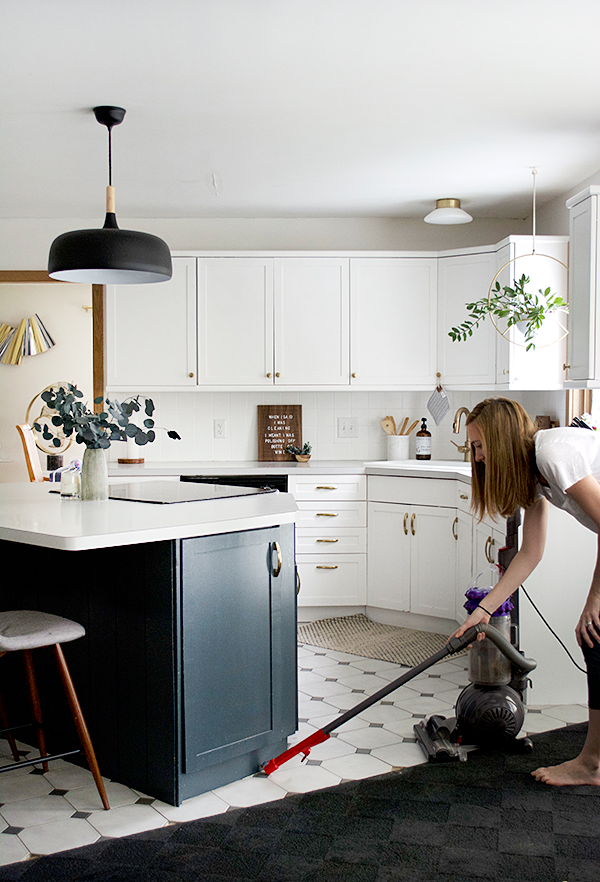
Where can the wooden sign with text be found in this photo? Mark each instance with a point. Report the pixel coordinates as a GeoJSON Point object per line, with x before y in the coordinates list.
{"type": "Point", "coordinates": [278, 426]}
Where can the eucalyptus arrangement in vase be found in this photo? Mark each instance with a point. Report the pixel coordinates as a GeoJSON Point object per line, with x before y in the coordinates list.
{"type": "Point", "coordinates": [516, 305]}
{"type": "Point", "coordinates": [97, 430]}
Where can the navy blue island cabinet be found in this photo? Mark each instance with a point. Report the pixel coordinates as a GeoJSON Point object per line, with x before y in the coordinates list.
{"type": "Point", "coordinates": [187, 674]}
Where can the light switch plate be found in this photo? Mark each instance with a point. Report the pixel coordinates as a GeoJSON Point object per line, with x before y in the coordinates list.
{"type": "Point", "coordinates": [347, 427]}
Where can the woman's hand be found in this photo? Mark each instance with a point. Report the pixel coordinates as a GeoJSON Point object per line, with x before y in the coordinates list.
{"type": "Point", "coordinates": [477, 617]}
{"type": "Point", "coordinates": [588, 626]}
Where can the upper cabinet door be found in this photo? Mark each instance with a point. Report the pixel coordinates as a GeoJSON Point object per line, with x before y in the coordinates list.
{"type": "Point", "coordinates": [464, 279]}
{"type": "Point", "coordinates": [584, 278]}
{"type": "Point", "coordinates": [393, 321]}
{"type": "Point", "coordinates": [151, 331]}
{"type": "Point", "coordinates": [312, 320]}
{"type": "Point", "coordinates": [235, 321]}
{"type": "Point", "coordinates": [541, 367]}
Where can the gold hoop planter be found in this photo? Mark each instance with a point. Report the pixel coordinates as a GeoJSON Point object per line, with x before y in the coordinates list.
{"type": "Point", "coordinates": [506, 332]}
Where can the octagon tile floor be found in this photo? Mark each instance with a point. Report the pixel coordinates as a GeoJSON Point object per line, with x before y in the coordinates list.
{"type": "Point", "coordinates": [46, 813]}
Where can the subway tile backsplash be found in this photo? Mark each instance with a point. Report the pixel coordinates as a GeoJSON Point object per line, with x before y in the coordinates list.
{"type": "Point", "coordinates": [193, 414]}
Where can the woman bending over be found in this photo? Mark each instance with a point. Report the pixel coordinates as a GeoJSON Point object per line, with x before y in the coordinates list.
{"type": "Point", "coordinates": [515, 466]}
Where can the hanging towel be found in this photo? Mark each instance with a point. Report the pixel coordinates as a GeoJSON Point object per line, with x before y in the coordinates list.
{"type": "Point", "coordinates": [438, 405]}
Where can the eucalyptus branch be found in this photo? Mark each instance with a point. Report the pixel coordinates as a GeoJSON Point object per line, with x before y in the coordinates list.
{"type": "Point", "coordinates": [513, 304]}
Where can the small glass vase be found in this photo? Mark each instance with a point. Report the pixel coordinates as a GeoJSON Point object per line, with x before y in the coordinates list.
{"type": "Point", "coordinates": [94, 474]}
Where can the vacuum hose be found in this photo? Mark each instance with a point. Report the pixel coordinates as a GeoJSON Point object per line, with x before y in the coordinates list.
{"type": "Point", "coordinates": [506, 648]}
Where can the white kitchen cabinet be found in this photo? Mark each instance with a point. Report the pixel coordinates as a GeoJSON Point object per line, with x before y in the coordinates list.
{"type": "Point", "coordinates": [312, 321]}
{"type": "Point", "coordinates": [273, 321]}
{"type": "Point", "coordinates": [488, 539]}
{"type": "Point", "coordinates": [463, 535]}
{"type": "Point", "coordinates": [235, 321]}
{"type": "Point", "coordinates": [393, 321]}
{"type": "Point", "coordinates": [331, 540]}
{"type": "Point", "coordinates": [151, 331]}
{"type": "Point", "coordinates": [584, 287]}
{"type": "Point", "coordinates": [544, 366]}
{"type": "Point", "coordinates": [465, 278]}
{"type": "Point", "coordinates": [412, 546]}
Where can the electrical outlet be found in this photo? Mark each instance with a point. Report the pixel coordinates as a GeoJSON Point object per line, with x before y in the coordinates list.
{"type": "Point", "coordinates": [220, 429]}
{"type": "Point", "coordinates": [347, 427]}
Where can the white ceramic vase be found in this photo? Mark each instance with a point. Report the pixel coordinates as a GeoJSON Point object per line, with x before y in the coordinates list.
{"type": "Point", "coordinates": [94, 474]}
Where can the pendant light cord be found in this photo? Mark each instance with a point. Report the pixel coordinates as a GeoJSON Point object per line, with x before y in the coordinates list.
{"type": "Point", "coordinates": [534, 173]}
{"type": "Point", "coordinates": [109, 155]}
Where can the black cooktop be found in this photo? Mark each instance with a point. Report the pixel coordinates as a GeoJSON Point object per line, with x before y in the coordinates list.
{"type": "Point", "coordinates": [166, 492]}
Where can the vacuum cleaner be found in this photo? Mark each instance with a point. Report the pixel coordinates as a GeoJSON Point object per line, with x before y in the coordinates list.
{"type": "Point", "coordinates": [489, 712]}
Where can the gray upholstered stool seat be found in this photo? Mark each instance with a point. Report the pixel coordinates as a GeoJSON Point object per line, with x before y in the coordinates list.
{"type": "Point", "coordinates": [24, 630]}
{"type": "Point", "coordinates": [29, 629]}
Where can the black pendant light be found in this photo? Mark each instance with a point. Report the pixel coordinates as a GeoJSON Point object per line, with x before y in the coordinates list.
{"type": "Point", "coordinates": [109, 256]}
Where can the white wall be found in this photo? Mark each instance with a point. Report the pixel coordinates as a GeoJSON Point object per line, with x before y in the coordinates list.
{"type": "Point", "coordinates": [25, 242]}
{"type": "Point", "coordinates": [552, 219]}
{"type": "Point", "coordinates": [60, 308]}
{"type": "Point", "coordinates": [192, 414]}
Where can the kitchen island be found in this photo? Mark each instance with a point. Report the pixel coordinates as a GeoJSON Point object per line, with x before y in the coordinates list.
{"type": "Point", "coordinates": [187, 672]}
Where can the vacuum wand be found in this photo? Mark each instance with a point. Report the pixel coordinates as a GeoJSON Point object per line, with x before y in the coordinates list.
{"type": "Point", "coordinates": [454, 645]}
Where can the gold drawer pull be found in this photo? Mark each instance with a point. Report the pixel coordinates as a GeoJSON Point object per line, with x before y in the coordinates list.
{"type": "Point", "coordinates": [327, 566]}
{"type": "Point", "coordinates": [463, 496]}
{"type": "Point", "coordinates": [326, 514]}
{"type": "Point", "coordinates": [328, 540]}
{"type": "Point", "coordinates": [324, 487]}
{"type": "Point", "coordinates": [454, 533]}
{"type": "Point", "coordinates": [412, 524]}
{"type": "Point", "coordinates": [404, 523]}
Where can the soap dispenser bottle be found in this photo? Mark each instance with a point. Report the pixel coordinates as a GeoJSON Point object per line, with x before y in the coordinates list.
{"type": "Point", "coordinates": [423, 441]}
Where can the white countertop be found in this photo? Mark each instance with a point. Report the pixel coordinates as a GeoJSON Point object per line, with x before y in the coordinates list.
{"type": "Point", "coordinates": [30, 513]}
{"type": "Point", "coordinates": [411, 467]}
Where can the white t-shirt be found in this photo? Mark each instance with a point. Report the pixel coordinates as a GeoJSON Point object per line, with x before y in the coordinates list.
{"type": "Point", "coordinates": [564, 457]}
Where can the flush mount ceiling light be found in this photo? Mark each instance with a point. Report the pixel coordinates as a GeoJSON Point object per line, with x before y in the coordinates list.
{"type": "Point", "coordinates": [109, 256]}
{"type": "Point", "coordinates": [448, 211]}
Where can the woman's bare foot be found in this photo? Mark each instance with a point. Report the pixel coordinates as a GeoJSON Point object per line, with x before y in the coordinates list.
{"type": "Point", "coordinates": [573, 772]}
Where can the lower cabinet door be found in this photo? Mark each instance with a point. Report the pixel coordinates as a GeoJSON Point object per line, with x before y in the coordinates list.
{"type": "Point", "coordinates": [389, 556]}
{"type": "Point", "coordinates": [238, 620]}
{"type": "Point", "coordinates": [332, 579]}
{"type": "Point", "coordinates": [433, 561]}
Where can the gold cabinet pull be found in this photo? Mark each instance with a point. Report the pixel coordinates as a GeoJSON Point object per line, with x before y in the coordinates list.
{"type": "Point", "coordinates": [277, 374]}
{"type": "Point", "coordinates": [463, 496]}
{"type": "Point", "coordinates": [269, 375]}
{"type": "Point", "coordinates": [404, 523]}
{"type": "Point", "coordinates": [277, 569]}
{"type": "Point", "coordinates": [489, 543]}
{"type": "Point", "coordinates": [327, 566]}
{"type": "Point", "coordinates": [328, 540]}
{"type": "Point", "coordinates": [191, 374]}
{"type": "Point", "coordinates": [412, 523]}
{"type": "Point", "coordinates": [354, 375]}
{"type": "Point", "coordinates": [325, 487]}
{"type": "Point", "coordinates": [326, 514]}
{"type": "Point", "coordinates": [454, 524]}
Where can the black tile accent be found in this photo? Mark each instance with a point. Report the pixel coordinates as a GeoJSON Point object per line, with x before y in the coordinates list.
{"type": "Point", "coordinates": [81, 816]}
{"type": "Point", "coordinates": [13, 831]}
{"type": "Point", "coordinates": [57, 792]}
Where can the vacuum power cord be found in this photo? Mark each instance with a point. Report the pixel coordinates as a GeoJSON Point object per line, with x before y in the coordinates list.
{"type": "Point", "coordinates": [552, 631]}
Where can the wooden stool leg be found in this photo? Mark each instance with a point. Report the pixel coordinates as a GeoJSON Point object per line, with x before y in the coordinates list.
{"type": "Point", "coordinates": [82, 729]}
{"type": "Point", "coordinates": [35, 703]}
{"type": "Point", "coordinates": [9, 735]}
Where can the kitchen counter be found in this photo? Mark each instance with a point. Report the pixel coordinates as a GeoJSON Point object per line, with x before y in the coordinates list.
{"type": "Point", "coordinates": [187, 672]}
{"type": "Point", "coordinates": [34, 515]}
{"type": "Point", "coordinates": [452, 469]}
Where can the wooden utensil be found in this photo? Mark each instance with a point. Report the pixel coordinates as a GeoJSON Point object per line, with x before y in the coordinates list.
{"type": "Point", "coordinates": [388, 425]}
{"type": "Point", "coordinates": [404, 425]}
{"type": "Point", "coordinates": [394, 425]}
{"type": "Point", "coordinates": [413, 426]}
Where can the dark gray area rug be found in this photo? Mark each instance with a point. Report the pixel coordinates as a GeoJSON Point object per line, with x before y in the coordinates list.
{"type": "Point", "coordinates": [486, 819]}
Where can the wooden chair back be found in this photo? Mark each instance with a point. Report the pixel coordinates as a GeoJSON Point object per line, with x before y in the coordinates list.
{"type": "Point", "coordinates": [31, 455]}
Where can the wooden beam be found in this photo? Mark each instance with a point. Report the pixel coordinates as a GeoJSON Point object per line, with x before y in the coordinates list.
{"type": "Point", "coordinates": [27, 276]}
{"type": "Point", "coordinates": [98, 293]}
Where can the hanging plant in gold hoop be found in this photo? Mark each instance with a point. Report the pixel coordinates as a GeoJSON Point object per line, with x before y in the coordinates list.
{"type": "Point", "coordinates": [518, 306]}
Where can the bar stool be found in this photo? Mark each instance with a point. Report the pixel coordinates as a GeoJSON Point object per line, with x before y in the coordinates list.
{"type": "Point", "coordinates": [25, 630]}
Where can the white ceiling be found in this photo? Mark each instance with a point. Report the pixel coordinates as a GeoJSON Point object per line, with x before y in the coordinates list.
{"type": "Point", "coordinates": [308, 108]}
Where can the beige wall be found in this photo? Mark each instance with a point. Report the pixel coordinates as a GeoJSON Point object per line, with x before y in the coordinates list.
{"type": "Point", "coordinates": [60, 308]}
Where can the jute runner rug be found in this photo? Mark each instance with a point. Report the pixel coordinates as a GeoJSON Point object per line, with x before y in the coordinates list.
{"type": "Point", "coordinates": [358, 635]}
